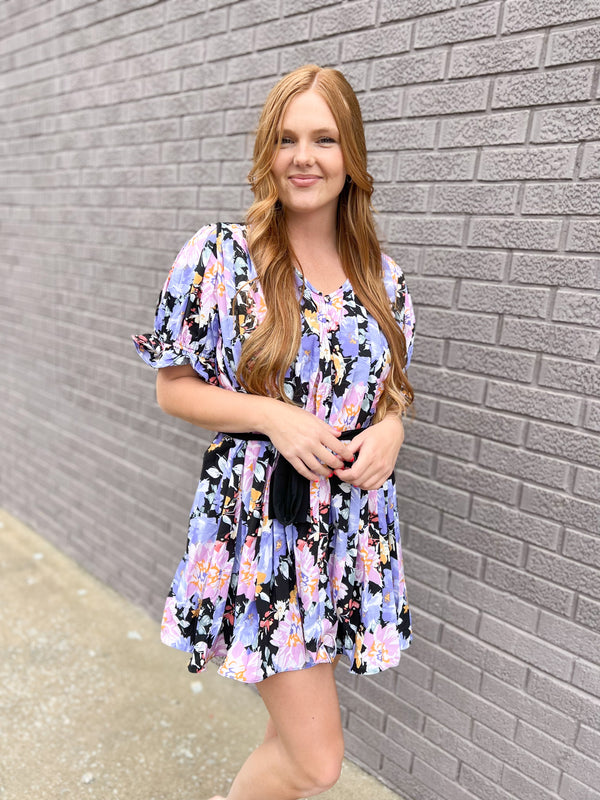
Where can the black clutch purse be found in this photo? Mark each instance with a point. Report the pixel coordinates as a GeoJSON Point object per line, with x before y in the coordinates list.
{"type": "Point", "coordinates": [289, 494]}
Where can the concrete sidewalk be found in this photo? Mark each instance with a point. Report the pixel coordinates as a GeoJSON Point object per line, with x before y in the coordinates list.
{"type": "Point", "coordinates": [92, 705]}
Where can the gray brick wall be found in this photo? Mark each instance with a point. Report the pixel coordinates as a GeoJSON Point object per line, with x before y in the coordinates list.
{"type": "Point", "coordinates": [126, 127]}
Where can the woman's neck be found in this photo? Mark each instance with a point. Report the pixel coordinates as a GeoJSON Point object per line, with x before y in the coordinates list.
{"type": "Point", "coordinates": [312, 234]}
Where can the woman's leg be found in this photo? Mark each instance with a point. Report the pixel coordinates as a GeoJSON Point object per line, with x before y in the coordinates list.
{"type": "Point", "coordinates": [303, 754]}
{"type": "Point", "coordinates": [271, 730]}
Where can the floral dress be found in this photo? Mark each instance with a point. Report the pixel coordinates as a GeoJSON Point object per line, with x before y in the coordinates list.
{"type": "Point", "coordinates": [258, 596]}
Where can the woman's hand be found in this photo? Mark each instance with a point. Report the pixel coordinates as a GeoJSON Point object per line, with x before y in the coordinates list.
{"type": "Point", "coordinates": [306, 441]}
{"type": "Point", "coordinates": [377, 447]}
{"type": "Point", "coordinates": [310, 445]}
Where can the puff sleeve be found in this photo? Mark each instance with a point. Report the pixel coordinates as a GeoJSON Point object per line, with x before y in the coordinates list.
{"type": "Point", "coordinates": [402, 305]}
{"type": "Point", "coordinates": [186, 323]}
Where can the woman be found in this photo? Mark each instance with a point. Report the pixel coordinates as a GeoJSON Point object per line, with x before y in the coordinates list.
{"type": "Point", "coordinates": [290, 335]}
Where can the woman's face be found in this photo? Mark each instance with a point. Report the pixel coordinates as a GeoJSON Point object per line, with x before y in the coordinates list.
{"type": "Point", "coordinates": [309, 167]}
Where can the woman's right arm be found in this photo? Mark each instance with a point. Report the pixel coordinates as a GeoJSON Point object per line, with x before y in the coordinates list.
{"type": "Point", "coordinates": [306, 441]}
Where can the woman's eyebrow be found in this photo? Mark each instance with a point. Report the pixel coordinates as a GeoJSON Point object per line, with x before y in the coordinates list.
{"type": "Point", "coordinates": [318, 132]}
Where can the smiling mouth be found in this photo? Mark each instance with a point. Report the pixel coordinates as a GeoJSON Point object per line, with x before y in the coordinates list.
{"type": "Point", "coordinates": [304, 180]}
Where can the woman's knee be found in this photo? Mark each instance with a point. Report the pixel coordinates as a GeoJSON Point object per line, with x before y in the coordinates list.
{"type": "Point", "coordinates": [305, 710]}
{"type": "Point", "coordinates": [321, 767]}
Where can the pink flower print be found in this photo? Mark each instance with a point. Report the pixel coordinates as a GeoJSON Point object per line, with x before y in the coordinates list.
{"type": "Point", "coordinates": [219, 572]}
{"type": "Point", "coordinates": [169, 631]}
{"type": "Point", "coordinates": [373, 508]}
{"type": "Point", "coordinates": [382, 648]}
{"type": "Point", "coordinates": [339, 588]}
{"type": "Point", "coordinates": [253, 450]}
{"type": "Point", "coordinates": [289, 639]}
{"type": "Point", "coordinates": [211, 271]}
{"type": "Point", "coordinates": [247, 572]}
{"type": "Point", "coordinates": [333, 313]}
{"type": "Point", "coordinates": [259, 306]}
{"type": "Point", "coordinates": [338, 304]}
{"type": "Point", "coordinates": [366, 559]}
{"type": "Point", "coordinates": [323, 488]}
{"type": "Point", "coordinates": [247, 474]}
{"type": "Point", "coordinates": [313, 385]}
{"type": "Point", "coordinates": [185, 338]}
{"type": "Point", "coordinates": [327, 646]}
{"type": "Point", "coordinates": [219, 648]}
{"type": "Point", "coordinates": [352, 404]}
{"type": "Point", "coordinates": [315, 506]}
{"type": "Point", "coordinates": [307, 575]}
{"type": "Point", "coordinates": [198, 565]}
{"type": "Point", "coordinates": [321, 396]}
{"type": "Point", "coordinates": [241, 664]}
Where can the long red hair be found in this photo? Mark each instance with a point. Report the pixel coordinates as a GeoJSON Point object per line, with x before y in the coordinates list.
{"type": "Point", "coordinates": [272, 347]}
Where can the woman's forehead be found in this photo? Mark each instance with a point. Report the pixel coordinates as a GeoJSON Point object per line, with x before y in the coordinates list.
{"type": "Point", "coordinates": [309, 109]}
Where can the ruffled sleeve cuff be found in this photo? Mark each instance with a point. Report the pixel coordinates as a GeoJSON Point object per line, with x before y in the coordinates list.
{"type": "Point", "coordinates": [158, 351]}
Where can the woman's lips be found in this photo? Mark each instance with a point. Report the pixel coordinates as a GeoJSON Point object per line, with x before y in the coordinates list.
{"type": "Point", "coordinates": [304, 180]}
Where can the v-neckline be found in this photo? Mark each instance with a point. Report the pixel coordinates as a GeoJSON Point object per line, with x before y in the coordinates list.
{"type": "Point", "coordinates": [345, 285]}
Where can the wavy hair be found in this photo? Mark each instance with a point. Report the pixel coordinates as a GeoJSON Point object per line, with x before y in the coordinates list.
{"type": "Point", "coordinates": [270, 350]}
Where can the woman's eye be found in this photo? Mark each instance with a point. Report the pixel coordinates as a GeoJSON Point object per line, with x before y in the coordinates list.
{"type": "Point", "coordinates": [326, 140]}
{"type": "Point", "coordinates": [285, 140]}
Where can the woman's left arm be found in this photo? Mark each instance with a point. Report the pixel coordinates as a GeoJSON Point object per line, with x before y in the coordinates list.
{"type": "Point", "coordinates": [376, 450]}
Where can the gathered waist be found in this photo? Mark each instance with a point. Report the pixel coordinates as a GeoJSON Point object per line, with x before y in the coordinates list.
{"type": "Point", "coordinates": [289, 492]}
{"type": "Point", "coordinates": [262, 437]}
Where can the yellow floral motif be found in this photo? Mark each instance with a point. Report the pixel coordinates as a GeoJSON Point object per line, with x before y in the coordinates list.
{"type": "Point", "coordinates": [260, 579]}
{"type": "Point", "coordinates": [311, 319]}
{"type": "Point", "coordinates": [211, 271]}
{"type": "Point", "coordinates": [255, 496]}
{"type": "Point", "coordinates": [357, 650]}
{"type": "Point", "coordinates": [338, 302]}
{"type": "Point", "coordinates": [246, 571]}
{"type": "Point", "coordinates": [338, 364]}
{"type": "Point", "coordinates": [384, 550]}
{"type": "Point", "coordinates": [367, 556]}
{"type": "Point", "coordinates": [352, 409]}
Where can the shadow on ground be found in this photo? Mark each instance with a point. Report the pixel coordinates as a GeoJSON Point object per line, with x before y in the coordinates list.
{"type": "Point", "coordinates": [92, 705]}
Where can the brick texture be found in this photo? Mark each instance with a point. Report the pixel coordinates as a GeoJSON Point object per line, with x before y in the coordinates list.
{"type": "Point", "coordinates": [128, 126]}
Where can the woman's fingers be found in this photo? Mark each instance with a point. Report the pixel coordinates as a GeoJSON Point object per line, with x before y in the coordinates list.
{"type": "Point", "coordinates": [343, 448]}
{"type": "Point", "coordinates": [330, 461]}
{"type": "Point", "coordinates": [378, 448]}
{"type": "Point", "coordinates": [301, 467]}
{"type": "Point", "coordinates": [314, 449]}
{"type": "Point", "coordinates": [369, 471]}
{"type": "Point", "coordinates": [371, 480]}
{"type": "Point", "coordinates": [300, 436]}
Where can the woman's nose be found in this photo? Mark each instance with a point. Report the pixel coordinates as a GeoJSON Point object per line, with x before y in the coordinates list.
{"type": "Point", "coordinates": [302, 154]}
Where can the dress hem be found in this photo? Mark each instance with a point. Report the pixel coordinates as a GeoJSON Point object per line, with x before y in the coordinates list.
{"type": "Point", "coordinates": [219, 659]}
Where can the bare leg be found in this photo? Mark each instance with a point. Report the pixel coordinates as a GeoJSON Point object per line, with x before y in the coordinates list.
{"type": "Point", "coordinates": [303, 748]}
{"type": "Point", "coordinates": [271, 730]}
